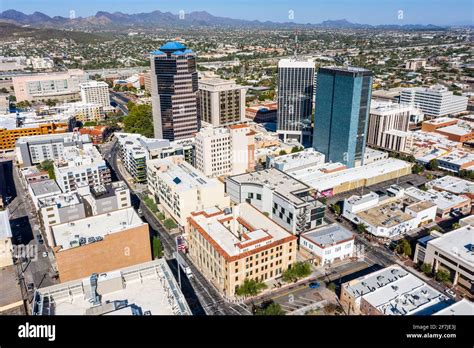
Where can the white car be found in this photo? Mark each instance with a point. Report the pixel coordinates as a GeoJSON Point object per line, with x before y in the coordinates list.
{"type": "Point", "coordinates": [450, 292]}
{"type": "Point", "coordinates": [45, 254]}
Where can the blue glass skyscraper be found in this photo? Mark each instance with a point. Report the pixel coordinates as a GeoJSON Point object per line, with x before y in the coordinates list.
{"type": "Point", "coordinates": [342, 110]}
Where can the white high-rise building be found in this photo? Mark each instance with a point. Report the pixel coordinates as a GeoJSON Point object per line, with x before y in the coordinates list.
{"type": "Point", "coordinates": [225, 151]}
{"type": "Point", "coordinates": [95, 92]}
{"type": "Point", "coordinates": [222, 102]}
{"type": "Point", "coordinates": [295, 99]}
{"type": "Point", "coordinates": [434, 101]}
{"type": "Point", "coordinates": [389, 126]}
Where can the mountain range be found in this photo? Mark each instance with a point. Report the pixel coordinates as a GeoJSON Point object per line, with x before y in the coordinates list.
{"type": "Point", "coordinates": [103, 20]}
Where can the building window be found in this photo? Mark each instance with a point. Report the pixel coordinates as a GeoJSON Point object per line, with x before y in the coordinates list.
{"type": "Point", "coordinates": [259, 197]}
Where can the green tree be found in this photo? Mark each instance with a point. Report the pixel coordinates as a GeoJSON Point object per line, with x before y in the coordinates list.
{"type": "Point", "coordinates": [297, 271]}
{"type": "Point", "coordinates": [272, 309]}
{"type": "Point", "coordinates": [157, 247]}
{"type": "Point", "coordinates": [139, 120]}
{"type": "Point", "coordinates": [362, 228]}
{"type": "Point", "coordinates": [417, 169]}
{"type": "Point", "coordinates": [48, 165]}
{"type": "Point", "coordinates": [169, 224]}
{"type": "Point", "coordinates": [456, 225]}
{"type": "Point", "coordinates": [331, 286]}
{"type": "Point", "coordinates": [336, 208]}
{"type": "Point", "coordinates": [426, 268]}
{"type": "Point", "coordinates": [250, 287]}
{"type": "Point", "coordinates": [282, 152]}
{"type": "Point", "coordinates": [403, 247]}
{"type": "Point", "coordinates": [443, 276]}
{"type": "Point", "coordinates": [433, 164]}
{"type": "Point", "coordinates": [23, 104]}
{"type": "Point", "coordinates": [296, 149]}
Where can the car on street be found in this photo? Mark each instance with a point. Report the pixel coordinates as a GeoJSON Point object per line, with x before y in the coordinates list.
{"type": "Point", "coordinates": [45, 254]}
{"type": "Point", "coordinates": [140, 212]}
{"type": "Point", "coordinates": [31, 286]}
{"type": "Point", "coordinates": [450, 292]}
{"type": "Point", "coordinates": [314, 285]}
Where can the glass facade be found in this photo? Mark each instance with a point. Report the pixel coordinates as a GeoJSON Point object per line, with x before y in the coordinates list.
{"type": "Point", "coordinates": [175, 92]}
{"type": "Point", "coordinates": [295, 98]}
{"type": "Point", "coordinates": [342, 110]}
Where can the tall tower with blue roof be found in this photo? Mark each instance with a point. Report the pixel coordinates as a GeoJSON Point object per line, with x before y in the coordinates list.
{"type": "Point", "coordinates": [174, 92]}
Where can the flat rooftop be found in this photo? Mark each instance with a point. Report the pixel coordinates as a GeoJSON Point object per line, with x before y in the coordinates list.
{"type": "Point", "coordinates": [45, 187]}
{"type": "Point", "coordinates": [456, 129]}
{"type": "Point", "coordinates": [60, 200]}
{"type": "Point", "coordinates": [29, 120]}
{"type": "Point", "coordinates": [180, 174]}
{"type": "Point", "coordinates": [444, 200]}
{"type": "Point", "coordinates": [452, 184]}
{"type": "Point", "coordinates": [299, 160]}
{"type": "Point", "coordinates": [321, 181]}
{"type": "Point", "coordinates": [386, 215]}
{"type": "Point", "coordinates": [329, 235]}
{"type": "Point", "coordinates": [275, 180]}
{"type": "Point", "coordinates": [148, 288]}
{"type": "Point", "coordinates": [223, 228]}
{"type": "Point", "coordinates": [458, 157]}
{"type": "Point", "coordinates": [67, 235]}
{"type": "Point", "coordinates": [9, 287]}
{"type": "Point", "coordinates": [458, 243]}
{"type": "Point", "coordinates": [463, 307]}
{"type": "Point", "coordinates": [5, 229]}
{"type": "Point", "coordinates": [394, 291]}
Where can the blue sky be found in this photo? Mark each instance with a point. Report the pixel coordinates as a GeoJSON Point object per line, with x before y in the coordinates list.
{"type": "Point", "coordinates": [312, 11]}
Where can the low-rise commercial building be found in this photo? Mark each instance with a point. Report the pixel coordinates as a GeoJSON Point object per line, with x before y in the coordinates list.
{"type": "Point", "coordinates": [446, 203]}
{"type": "Point", "coordinates": [62, 85]}
{"type": "Point", "coordinates": [456, 161]}
{"type": "Point", "coordinates": [236, 244]}
{"type": "Point", "coordinates": [14, 126]}
{"type": "Point", "coordinates": [180, 189]}
{"type": "Point", "coordinates": [299, 160]}
{"type": "Point", "coordinates": [284, 199]}
{"type": "Point", "coordinates": [391, 291]}
{"type": "Point", "coordinates": [454, 185]}
{"type": "Point", "coordinates": [144, 289]}
{"type": "Point", "coordinates": [389, 217]}
{"type": "Point", "coordinates": [334, 178]}
{"type": "Point", "coordinates": [262, 113]}
{"type": "Point", "coordinates": [6, 257]}
{"type": "Point", "coordinates": [328, 244]}
{"type": "Point", "coordinates": [454, 253]}
{"type": "Point", "coordinates": [100, 243]}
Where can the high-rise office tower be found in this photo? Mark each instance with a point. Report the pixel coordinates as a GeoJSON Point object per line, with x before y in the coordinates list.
{"type": "Point", "coordinates": [295, 99]}
{"type": "Point", "coordinates": [342, 108]}
{"type": "Point", "coordinates": [222, 102]}
{"type": "Point", "coordinates": [174, 92]}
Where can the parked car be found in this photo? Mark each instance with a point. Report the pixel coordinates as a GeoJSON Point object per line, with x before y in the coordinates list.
{"type": "Point", "coordinates": [45, 254]}
{"type": "Point", "coordinates": [450, 292]}
{"type": "Point", "coordinates": [314, 285]}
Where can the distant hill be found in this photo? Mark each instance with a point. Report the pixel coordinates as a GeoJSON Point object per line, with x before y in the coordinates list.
{"type": "Point", "coordinates": [10, 30]}
{"type": "Point", "coordinates": [103, 20]}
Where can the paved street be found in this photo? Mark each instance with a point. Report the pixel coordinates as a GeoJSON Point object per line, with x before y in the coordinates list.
{"type": "Point", "coordinates": [35, 268]}
{"type": "Point", "coordinates": [202, 297]}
